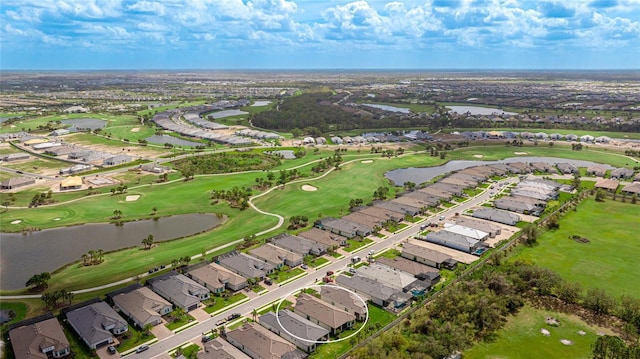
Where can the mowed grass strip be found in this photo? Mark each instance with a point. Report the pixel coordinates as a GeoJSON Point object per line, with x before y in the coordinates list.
{"type": "Point", "coordinates": [608, 261]}
{"type": "Point", "coordinates": [521, 338]}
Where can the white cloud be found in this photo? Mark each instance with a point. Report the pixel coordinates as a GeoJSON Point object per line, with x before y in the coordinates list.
{"type": "Point", "coordinates": [148, 7]}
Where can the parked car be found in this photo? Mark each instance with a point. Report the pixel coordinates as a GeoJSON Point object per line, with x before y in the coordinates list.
{"type": "Point", "coordinates": [142, 348]}
{"type": "Point", "coordinates": [268, 282]}
{"type": "Point", "coordinates": [329, 272]}
{"type": "Point", "coordinates": [221, 322]}
{"type": "Point", "coordinates": [206, 338]}
{"type": "Point", "coordinates": [304, 266]}
{"type": "Point", "coordinates": [111, 349]}
{"type": "Point", "coordinates": [234, 316]}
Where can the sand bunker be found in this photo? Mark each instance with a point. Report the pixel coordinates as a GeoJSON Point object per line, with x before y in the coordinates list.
{"type": "Point", "coordinates": [135, 129]}
{"type": "Point", "coordinates": [478, 156]}
{"type": "Point", "coordinates": [56, 219]}
{"type": "Point", "coordinates": [132, 198]}
{"type": "Point", "coordinates": [566, 342]}
{"type": "Point", "coordinates": [520, 153]}
{"type": "Point", "coordinates": [545, 332]}
{"type": "Point", "coordinates": [306, 187]}
{"type": "Point", "coordinates": [367, 161]}
{"type": "Point", "coordinates": [16, 221]}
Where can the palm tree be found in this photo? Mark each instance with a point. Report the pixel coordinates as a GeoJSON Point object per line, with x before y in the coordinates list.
{"type": "Point", "coordinates": [148, 242]}
{"type": "Point", "coordinates": [85, 259]}
{"type": "Point", "coordinates": [99, 255]}
{"type": "Point", "coordinates": [92, 256]}
{"type": "Point", "coordinates": [254, 314]}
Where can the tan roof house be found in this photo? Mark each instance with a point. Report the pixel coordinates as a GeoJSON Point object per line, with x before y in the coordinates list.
{"type": "Point", "coordinates": [259, 343]}
{"type": "Point", "coordinates": [143, 306]}
{"type": "Point", "coordinates": [324, 314]}
{"type": "Point", "coordinates": [38, 338]}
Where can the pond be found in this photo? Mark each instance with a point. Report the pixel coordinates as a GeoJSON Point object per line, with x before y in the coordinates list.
{"type": "Point", "coordinates": [85, 123]}
{"type": "Point", "coordinates": [260, 103]}
{"type": "Point", "coordinates": [476, 110]}
{"type": "Point", "coordinates": [425, 174]}
{"type": "Point", "coordinates": [162, 139]}
{"type": "Point", "coordinates": [389, 108]}
{"type": "Point", "coordinates": [6, 316]}
{"type": "Point", "coordinates": [227, 113]}
{"type": "Point", "coordinates": [286, 154]}
{"type": "Point", "coordinates": [22, 256]}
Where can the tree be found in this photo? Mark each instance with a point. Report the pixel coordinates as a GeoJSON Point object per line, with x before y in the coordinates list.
{"type": "Point", "coordinates": [154, 210]}
{"type": "Point", "coordinates": [148, 241]}
{"type": "Point", "coordinates": [600, 195]}
{"type": "Point", "coordinates": [117, 214]}
{"type": "Point", "coordinates": [598, 301]}
{"type": "Point", "coordinates": [530, 232]}
{"type": "Point", "coordinates": [569, 292]}
{"type": "Point", "coordinates": [39, 281]}
{"type": "Point", "coordinates": [254, 314]}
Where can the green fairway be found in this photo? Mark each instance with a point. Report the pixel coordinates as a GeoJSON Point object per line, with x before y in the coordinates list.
{"type": "Point", "coordinates": [630, 135]}
{"type": "Point", "coordinates": [609, 261]}
{"type": "Point", "coordinates": [521, 338]}
{"type": "Point", "coordinates": [614, 158]}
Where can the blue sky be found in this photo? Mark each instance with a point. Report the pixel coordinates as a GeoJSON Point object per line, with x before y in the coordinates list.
{"type": "Point", "coordinates": [319, 34]}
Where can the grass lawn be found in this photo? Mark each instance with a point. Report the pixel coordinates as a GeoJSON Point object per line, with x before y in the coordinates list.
{"type": "Point", "coordinates": [187, 318]}
{"type": "Point", "coordinates": [316, 262]}
{"type": "Point", "coordinates": [19, 311]}
{"type": "Point", "coordinates": [283, 275]}
{"type": "Point", "coordinates": [258, 288]}
{"type": "Point", "coordinates": [334, 350]}
{"type": "Point", "coordinates": [189, 351]}
{"type": "Point", "coordinates": [221, 303]}
{"type": "Point", "coordinates": [274, 305]}
{"type": "Point", "coordinates": [135, 337]}
{"type": "Point", "coordinates": [336, 255]}
{"type": "Point", "coordinates": [609, 261]}
{"type": "Point", "coordinates": [353, 245]}
{"type": "Point", "coordinates": [389, 253]}
{"type": "Point", "coordinates": [521, 338]}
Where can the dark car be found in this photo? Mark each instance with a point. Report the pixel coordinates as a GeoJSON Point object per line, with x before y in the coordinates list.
{"type": "Point", "coordinates": [206, 338]}
{"type": "Point", "coordinates": [111, 349]}
{"type": "Point", "coordinates": [234, 316]}
{"type": "Point", "coordinates": [268, 282]}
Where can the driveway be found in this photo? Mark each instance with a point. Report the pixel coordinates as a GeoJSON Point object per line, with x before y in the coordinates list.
{"type": "Point", "coordinates": [160, 331]}
{"type": "Point", "coordinates": [200, 314]}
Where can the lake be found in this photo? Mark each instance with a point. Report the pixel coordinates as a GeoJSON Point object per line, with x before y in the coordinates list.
{"type": "Point", "coordinates": [425, 174]}
{"type": "Point", "coordinates": [260, 103]}
{"type": "Point", "coordinates": [388, 108]}
{"type": "Point", "coordinates": [85, 123]}
{"type": "Point", "coordinates": [162, 139]}
{"type": "Point", "coordinates": [22, 256]}
{"type": "Point", "coordinates": [227, 113]}
{"type": "Point", "coordinates": [476, 110]}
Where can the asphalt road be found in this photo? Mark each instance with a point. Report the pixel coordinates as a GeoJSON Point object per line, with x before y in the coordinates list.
{"type": "Point", "coordinates": [194, 333]}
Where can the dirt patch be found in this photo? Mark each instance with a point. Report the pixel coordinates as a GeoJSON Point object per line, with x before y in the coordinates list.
{"type": "Point", "coordinates": [16, 221]}
{"type": "Point", "coordinates": [132, 198]}
{"type": "Point", "coordinates": [306, 187]}
{"type": "Point", "coordinates": [478, 156]}
{"type": "Point", "coordinates": [520, 153]}
{"type": "Point", "coordinates": [579, 239]}
{"type": "Point", "coordinates": [367, 161]}
{"type": "Point", "coordinates": [135, 129]}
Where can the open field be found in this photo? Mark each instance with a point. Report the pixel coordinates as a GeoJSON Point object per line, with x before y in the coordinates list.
{"type": "Point", "coordinates": [521, 338]}
{"type": "Point", "coordinates": [609, 261]}
{"type": "Point", "coordinates": [112, 120]}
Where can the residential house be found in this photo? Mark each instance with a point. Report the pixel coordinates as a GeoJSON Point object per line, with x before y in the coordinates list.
{"type": "Point", "coordinates": [540, 167]}
{"type": "Point", "coordinates": [421, 271]}
{"type": "Point", "coordinates": [324, 314]}
{"type": "Point", "coordinates": [454, 190]}
{"type": "Point", "coordinates": [216, 278]}
{"type": "Point", "coordinates": [394, 278]}
{"type": "Point", "coordinates": [74, 169]}
{"type": "Point", "coordinates": [59, 151]}
{"type": "Point", "coordinates": [497, 215]}
{"type": "Point", "coordinates": [608, 184]}
{"type": "Point", "coordinates": [153, 167]}
{"type": "Point", "coordinates": [466, 231]}
{"type": "Point", "coordinates": [398, 207]}
{"type": "Point", "coordinates": [142, 306]}
{"type": "Point", "coordinates": [17, 182]}
{"type": "Point", "coordinates": [492, 229]}
{"type": "Point", "coordinates": [117, 160]}
{"type": "Point", "coordinates": [299, 245]}
{"type": "Point", "coordinates": [375, 291]}
{"type": "Point", "coordinates": [16, 157]}
{"type": "Point", "coordinates": [276, 256]}
{"type": "Point", "coordinates": [292, 326]}
{"type": "Point", "coordinates": [458, 182]}
{"type": "Point", "coordinates": [344, 300]}
{"type": "Point", "coordinates": [602, 139]}
{"type": "Point", "coordinates": [632, 189]}
{"type": "Point", "coordinates": [587, 138]}
{"type": "Point", "coordinates": [71, 183]}
{"type": "Point", "coordinates": [245, 265]}
{"type": "Point", "coordinates": [453, 240]}
{"type": "Point", "coordinates": [431, 193]}
{"type": "Point", "coordinates": [382, 213]}
{"type": "Point", "coordinates": [519, 167]}
{"type": "Point", "coordinates": [41, 337]}
{"type": "Point", "coordinates": [571, 137]}
{"type": "Point", "coordinates": [361, 218]}
{"type": "Point", "coordinates": [345, 228]}
{"type": "Point", "coordinates": [95, 322]}
{"type": "Point", "coordinates": [180, 290]}
{"type": "Point", "coordinates": [514, 205]}
{"type": "Point", "coordinates": [412, 201]}
{"type": "Point", "coordinates": [219, 348]}
{"type": "Point", "coordinates": [567, 168]}
{"type": "Point", "coordinates": [259, 343]}
{"type": "Point", "coordinates": [596, 170]}
{"type": "Point", "coordinates": [324, 237]}
{"type": "Point", "coordinates": [622, 173]}
{"type": "Point", "coordinates": [427, 256]}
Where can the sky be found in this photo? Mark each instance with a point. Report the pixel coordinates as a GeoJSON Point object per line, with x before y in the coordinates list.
{"type": "Point", "coordinates": [319, 34]}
